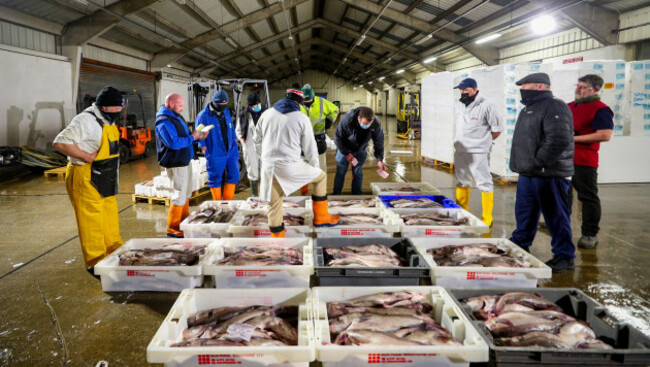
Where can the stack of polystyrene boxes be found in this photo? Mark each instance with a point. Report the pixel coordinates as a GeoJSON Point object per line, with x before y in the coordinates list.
{"type": "Point", "coordinates": [639, 98]}
{"type": "Point", "coordinates": [565, 77]}
{"type": "Point", "coordinates": [199, 173]}
{"type": "Point", "coordinates": [438, 116]}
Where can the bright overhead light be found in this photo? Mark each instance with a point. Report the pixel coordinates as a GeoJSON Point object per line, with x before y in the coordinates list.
{"type": "Point", "coordinates": [169, 65]}
{"type": "Point", "coordinates": [543, 24]}
{"type": "Point", "coordinates": [399, 71]}
{"type": "Point", "coordinates": [382, 78]}
{"type": "Point", "coordinates": [360, 85]}
{"type": "Point", "coordinates": [369, 83]}
{"type": "Point", "coordinates": [488, 38]}
{"type": "Point", "coordinates": [431, 59]}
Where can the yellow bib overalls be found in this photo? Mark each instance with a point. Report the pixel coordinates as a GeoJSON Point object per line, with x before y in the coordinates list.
{"type": "Point", "coordinates": [92, 189]}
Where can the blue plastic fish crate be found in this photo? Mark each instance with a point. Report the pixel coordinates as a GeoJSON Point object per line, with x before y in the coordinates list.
{"type": "Point", "coordinates": [442, 200]}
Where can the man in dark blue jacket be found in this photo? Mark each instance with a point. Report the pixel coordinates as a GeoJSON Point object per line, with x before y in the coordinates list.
{"type": "Point", "coordinates": [221, 151]}
{"type": "Point", "coordinates": [174, 146]}
{"type": "Point", "coordinates": [354, 132]}
{"type": "Point", "coordinates": [542, 154]}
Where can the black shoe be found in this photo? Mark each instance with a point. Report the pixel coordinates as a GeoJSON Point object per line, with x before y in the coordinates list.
{"type": "Point", "coordinates": [588, 242]}
{"type": "Point", "coordinates": [560, 264]}
{"type": "Point", "coordinates": [92, 272]}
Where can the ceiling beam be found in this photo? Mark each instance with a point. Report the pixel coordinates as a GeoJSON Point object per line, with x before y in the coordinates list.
{"type": "Point", "coordinates": [595, 21]}
{"type": "Point", "coordinates": [172, 54]}
{"type": "Point", "coordinates": [18, 17]}
{"type": "Point", "coordinates": [85, 29]}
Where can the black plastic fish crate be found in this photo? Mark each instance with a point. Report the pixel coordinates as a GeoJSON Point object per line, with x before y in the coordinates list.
{"type": "Point", "coordinates": [631, 346]}
{"type": "Point", "coordinates": [334, 276]}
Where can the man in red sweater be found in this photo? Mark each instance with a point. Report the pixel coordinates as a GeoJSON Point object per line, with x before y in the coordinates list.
{"type": "Point", "coordinates": [593, 123]}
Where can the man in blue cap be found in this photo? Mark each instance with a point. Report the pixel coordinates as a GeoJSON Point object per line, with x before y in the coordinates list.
{"type": "Point", "coordinates": [542, 154]}
{"type": "Point", "coordinates": [478, 123]}
{"type": "Point", "coordinates": [221, 152]}
{"type": "Point", "coordinates": [246, 123]}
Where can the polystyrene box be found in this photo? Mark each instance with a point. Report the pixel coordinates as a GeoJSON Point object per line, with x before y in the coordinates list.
{"type": "Point", "coordinates": [116, 278]}
{"type": "Point", "coordinates": [445, 311]}
{"type": "Point", "coordinates": [259, 276]}
{"type": "Point", "coordinates": [475, 225]}
{"type": "Point", "coordinates": [191, 301]}
{"type": "Point", "coordinates": [207, 230]}
{"type": "Point", "coordinates": [478, 276]}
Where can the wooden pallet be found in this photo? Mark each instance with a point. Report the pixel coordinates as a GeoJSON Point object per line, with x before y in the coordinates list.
{"type": "Point", "coordinates": [440, 164]}
{"type": "Point", "coordinates": [197, 197]}
{"type": "Point", "coordinates": [55, 173]}
{"type": "Point", "coordinates": [506, 180]}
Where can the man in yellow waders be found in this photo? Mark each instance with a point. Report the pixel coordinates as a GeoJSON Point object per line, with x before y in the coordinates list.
{"type": "Point", "coordinates": [91, 142]}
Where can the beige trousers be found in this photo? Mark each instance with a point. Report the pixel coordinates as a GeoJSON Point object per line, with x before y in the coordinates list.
{"type": "Point", "coordinates": [277, 194]}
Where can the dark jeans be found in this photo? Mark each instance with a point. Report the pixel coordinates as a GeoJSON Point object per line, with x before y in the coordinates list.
{"type": "Point", "coordinates": [585, 182]}
{"type": "Point", "coordinates": [342, 168]}
{"type": "Point", "coordinates": [548, 195]}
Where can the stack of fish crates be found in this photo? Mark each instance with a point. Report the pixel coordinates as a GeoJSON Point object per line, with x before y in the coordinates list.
{"type": "Point", "coordinates": [207, 230]}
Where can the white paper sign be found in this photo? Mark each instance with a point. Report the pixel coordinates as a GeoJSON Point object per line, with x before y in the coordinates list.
{"type": "Point", "coordinates": [241, 331]}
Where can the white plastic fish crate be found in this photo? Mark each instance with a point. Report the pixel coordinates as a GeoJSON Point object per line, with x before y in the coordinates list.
{"type": "Point", "coordinates": [207, 230]}
{"type": "Point", "coordinates": [302, 201]}
{"type": "Point", "coordinates": [393, 188]}
{"type": "Point", "coordinates": [117, 278]}
{"type": "Point", "coordinates": [257, 276]}
{"type": "Point", "coordinates": [330, 198]}
{"type": "Point", "coordinates": [475, 225]}
{"type": "Point", "coordinates": [191, 301]}
{"type": "Point", "coordinates": [238, 230]}
{"type": "Point", "coordinates": [387, 229]}
{"type": "Point", "coordinates": [446, 313]}
{"type": "Point", "coordinates": [478, 276]}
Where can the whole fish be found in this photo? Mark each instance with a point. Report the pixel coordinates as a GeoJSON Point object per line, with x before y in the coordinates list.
{"type": "Point", "coordinates": [257, 220]}
{"type": "Point", "coordinates": [336, 309]}
{"type": "Point", "coordinates": [369, 337]}
{"type": "Point", "coordinates": [533, 339]}
{"type": "Point", "coordinates": [498, 261]}
{"type": "Point", "coordinates": [372, 249]}
{"type": "Point", "coordinates": [432, 337]}
{"type": "Point", "coordinates": [373, 255]}
{"type": "Point", "coordinates": [405, 188]}
{"type": "Point", "coordinates": [473, 249]}
{"type": "Point", "coordinates": [433, 219]}
{"type": "Point", "coordinates": [212, 214]}
{"type": "Point", "coordinates": [414, 203]}
{"type": "Point", "coordinates": [375, 322]}
{"type": "Point", "coordinates": [360, 218]}
{"type": "Point", "coordinates": [166, 255]}
{"type": "Point", "coordinates": [352, 203]}
{"type": "Point", "coordinates": [389, 299]}
{"type": "Point", "coordinates": [482, 306]}
{"type": "Point", "coordinates": [519, 323]}
{"type": "Point", "coordinates": [526, 299]}
{"type": "Point", "coordinates": [257, 204]}
{"type": "Point", "coordinates": [261, 255]}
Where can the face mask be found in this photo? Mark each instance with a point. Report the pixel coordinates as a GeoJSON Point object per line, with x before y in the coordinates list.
{"type": "Point", "coordinates": [218, 107]}
{"type": "Point", "coordinates": [364, 126]}
{"type": "Point", "coordinates": [113, 116]}
{"type": "Point", "coordinates": [257, 108]}
{"type": "Point", "coordinates": [529, 96]}
{"type": "Point", "coordinates": [466, 99]}
{"type": "Point", "coordinates": [308, 104]}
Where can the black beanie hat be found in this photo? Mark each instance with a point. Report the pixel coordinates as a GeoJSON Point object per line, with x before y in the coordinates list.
{"type": "Point", "coordinates": [295, 93]}
{"type": "Point", "coordinates": [253, 99]}
{"type": "Point", "coordinates": [109, 96]}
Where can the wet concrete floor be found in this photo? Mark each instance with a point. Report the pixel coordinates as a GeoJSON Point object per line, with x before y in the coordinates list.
{"type": "Point", "coordinates": [52, 312]}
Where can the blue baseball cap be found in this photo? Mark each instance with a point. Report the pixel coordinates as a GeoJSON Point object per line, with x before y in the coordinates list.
{"type": "Point", "coordinates": [220, 96]}
{"type": "Point", "coordinates": [466, 83]}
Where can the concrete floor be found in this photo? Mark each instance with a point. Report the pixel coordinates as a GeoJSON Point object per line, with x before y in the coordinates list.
{"type": "Point", "coordinates": [42, 276]}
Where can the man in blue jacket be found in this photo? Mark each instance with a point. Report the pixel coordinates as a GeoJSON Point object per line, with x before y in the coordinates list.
{"type": "Point", "coordinates": [221, 152]}
{"type": "Point", "coordinates": [354, 132]}
{"type": "Point", "coordinates": [174, 146]}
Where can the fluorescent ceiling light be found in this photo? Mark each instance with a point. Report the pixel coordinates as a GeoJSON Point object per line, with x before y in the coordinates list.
{"type": "Point", "coordinates": [488, 38]}
{"type": "Point", "coordinates": [543, 24]}
{"type": "Point", "coordinates": [169, 65]}
{"type": "Point", "coordinates": [399, 71]}
{"type": "Point", "coordinates": [431, 59]}
{"type": "Point", "coordinates": [361, 86]}
{"type": "Point", "coordinates": [381, 78]}
{"type": "Point", "coordinates": [369, 83]}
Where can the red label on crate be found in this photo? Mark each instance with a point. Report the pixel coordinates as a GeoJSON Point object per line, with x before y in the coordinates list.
{"type": "Point", "coordinates": [487, 275]}
{"type": "Point", "coordinates": [356, 232]}
{"type": "Point", "coordinates": [396, 358]}
{"type": "Point", "coordinates": [438, 232]}
{"type": "Point", "coordinates": [220, 359]}
{"type": "Point", "coordinates": [261, 233]}
{"type": "Point", "coordinates": [254, 273]}
{"type": "Point", "coordinates": [571, 61]}
{"type": "Point", "coordinates": [135, 273]}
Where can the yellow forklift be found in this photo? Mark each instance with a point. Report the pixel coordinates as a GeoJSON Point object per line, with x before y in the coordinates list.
{"type": "Point", "coordinates": [408, 114]}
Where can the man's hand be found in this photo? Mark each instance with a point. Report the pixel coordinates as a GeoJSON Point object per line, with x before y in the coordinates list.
{"type": "Point", "coordinates": [90, 157]}
{"type": "Point", "coordinates": [382, 165]}
{"type": "Point", "coordinates": [200, 135]}
{"type": "Point", "coordinates": [242, 141]}
{"type": "Point", "coordinates": [353, 161]}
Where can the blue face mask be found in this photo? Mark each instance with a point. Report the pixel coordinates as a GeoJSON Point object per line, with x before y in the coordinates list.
{"type": "Point", "coordinates": [364, 126]}
{"type": "Point", "coordinates": [257, 108]}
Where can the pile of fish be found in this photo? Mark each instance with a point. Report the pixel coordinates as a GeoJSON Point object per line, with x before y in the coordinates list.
{"type": "Point", "coordinates": [405, 188]}
{"type": "Point", "coordinates": [212, 213]}
{"type": "Point", "coordinates": [261, 219]}
{"type": "Point", "coordinates": [175, 254]}
{"type": "Point", "coordinates": [391, 318]}
{"type": "Point", "coordinates": [273, 326]}
{"type": "Point", "coordinates": [265, 255]}
{"type": "Point", "coordinates": [373, 256]}
{"type": "Point", "coordinates": [352, 203]}
{"type": "Point", "coordinates": [433, 219]}
{"type": "Point", "coordinates": [414, 203]}
{"type": "Point", "coordinates": [476, 254]}
{"type": "Point", "coordinates": [528, 320]}
{"type": "Point", "coordinates": [258, 204]}
{"type": "Point", "coordinates": [359, 218]}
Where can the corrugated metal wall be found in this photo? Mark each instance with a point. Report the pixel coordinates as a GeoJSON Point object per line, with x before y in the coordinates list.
{"type": "Point", "coordinates": [468, 64]}
{"type": "Point", "coordinates": [19, 36]}
{"type": "Point", "coordinates": [111, 57]}
{"type": "Point", "coordinates": [563, 43]}
{"type": "Point", "coordinates": [638, 23]}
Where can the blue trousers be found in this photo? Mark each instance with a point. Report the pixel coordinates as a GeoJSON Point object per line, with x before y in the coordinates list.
{"type": "Point", "coordinates": [342, 168]}
{"type": "Point", "coordinates": [550, 196]}
{"type": "Point", "coordinates": [216, 167]}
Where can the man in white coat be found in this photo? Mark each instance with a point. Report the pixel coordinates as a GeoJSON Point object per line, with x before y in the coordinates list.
{"type": "Point", "coordinates": [478, 123]}
{"type": "Point", "coordinates": [245, 130]}
{"type": "Point", "coordinates": [282, 132]}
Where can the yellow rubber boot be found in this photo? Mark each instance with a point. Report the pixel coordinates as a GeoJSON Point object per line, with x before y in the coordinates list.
{"type": "Point", "coordinates": [462, 196]}
{"type": "Point", "coordinates": [322, 217]}
{"type": "Point", "coordinates": [216, 193]}
{"type": "Point", "coordinates": [487, 199]}
{"type": "Point", "coordinates": [174, 221]}
{"type": "Point", "coordinates": [304, 191]}
{"type": "Point", "coordinates": [229, 191]}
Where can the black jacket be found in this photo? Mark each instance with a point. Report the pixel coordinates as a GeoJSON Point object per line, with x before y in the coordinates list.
{"type": "Point", "coordinates": [351, 138]}
{"type": "Point", "coordinates": [542, 144]}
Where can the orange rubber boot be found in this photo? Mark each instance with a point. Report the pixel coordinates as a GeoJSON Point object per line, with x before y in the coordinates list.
{"type": "Point", "coordinates": [229, 191]}
{"type": "Point", "coordinates": [216, 193]}
{"type": "Point", "coordinates": [174, 221]}
{"type": "Point", "coordinates": [186, 210]}
{"type": "Point", "coordinates": [278, 234]}
{"type": "Point", "coordinates": [322, 217]}
{"type": "Point", "coordinates": [304, 191]}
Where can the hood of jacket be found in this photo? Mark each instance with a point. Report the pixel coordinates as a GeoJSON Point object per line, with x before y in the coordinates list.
{"type": "Point", "coordinates": [285, 106]}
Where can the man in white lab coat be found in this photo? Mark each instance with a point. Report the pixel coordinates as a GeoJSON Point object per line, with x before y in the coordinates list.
{"type": "Point", "coordinates": [478, 123]}
{"type": "Point", "coordinates": [282, 132]}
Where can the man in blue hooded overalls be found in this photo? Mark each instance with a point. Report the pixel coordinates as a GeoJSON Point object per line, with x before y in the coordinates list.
{"type": "Point", "coordinates": [220, 147]}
